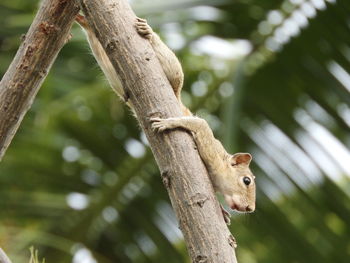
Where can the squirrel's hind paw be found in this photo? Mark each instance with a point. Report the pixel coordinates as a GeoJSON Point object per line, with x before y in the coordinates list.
{"type": "Point", "coordinates": [143, 28]}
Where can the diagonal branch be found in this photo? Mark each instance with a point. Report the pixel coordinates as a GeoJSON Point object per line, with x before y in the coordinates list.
{"type": "Point", "coordinates": [3, 257]}
{"type": "Point", "coordinates": [182, 171]}
{"type": "Point", "coordinates": [20, 84]}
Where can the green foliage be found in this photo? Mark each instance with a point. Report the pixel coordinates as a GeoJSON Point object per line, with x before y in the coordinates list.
{"type": "Point", "coordinates": [79, 181]}
{"type": "Point", "coordinates": [34, 258]}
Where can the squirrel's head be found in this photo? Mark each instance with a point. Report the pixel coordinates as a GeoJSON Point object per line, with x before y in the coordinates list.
{"type": "Point", "coordinates": [239, 190]}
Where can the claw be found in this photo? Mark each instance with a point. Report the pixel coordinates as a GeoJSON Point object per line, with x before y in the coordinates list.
{"type": "Point", "coordinates": [142, 25]}
{"type": "Point", "coordinates": [141, 20]}
{"type": "Point", "coordinates": [226, 215]}
{"type": "Point", "coordinates": [154, 119]}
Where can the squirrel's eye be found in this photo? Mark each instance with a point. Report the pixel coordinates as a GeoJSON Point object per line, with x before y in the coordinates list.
{"type": "Point", "coordinates": [246, 180]}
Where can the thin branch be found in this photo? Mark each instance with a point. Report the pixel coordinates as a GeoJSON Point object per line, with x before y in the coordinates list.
{"type": "Point", "coordinates": [184, 175]}
{"type": "Point", "coordinates": [3, 257]}
{"type": "Point", "coordinates": [20, 84]}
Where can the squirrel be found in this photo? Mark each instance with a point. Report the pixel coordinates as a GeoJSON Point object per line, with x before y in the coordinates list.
{"type": "Point", "coordinates": [230, 174]}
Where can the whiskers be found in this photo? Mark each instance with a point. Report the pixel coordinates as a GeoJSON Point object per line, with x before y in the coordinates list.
{"type": "Point", "coordinates": [246, 218]}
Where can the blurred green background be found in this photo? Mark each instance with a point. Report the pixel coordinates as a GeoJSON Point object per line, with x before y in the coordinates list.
{"type": "Point", "coordinates": [271, 77]}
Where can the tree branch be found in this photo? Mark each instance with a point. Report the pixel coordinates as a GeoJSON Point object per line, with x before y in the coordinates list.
{"type": "Point", "coordinates": [182, 171]}
{"type": "Point", "coordinates": [20, 84]}
{"type": "Point", "coordinates": [3, 257]}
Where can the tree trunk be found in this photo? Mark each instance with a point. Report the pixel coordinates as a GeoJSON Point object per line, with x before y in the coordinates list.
{"type": "Point", "coordinates": [20, 84]}
{"type": "Point", "coordinates": [183, 173]}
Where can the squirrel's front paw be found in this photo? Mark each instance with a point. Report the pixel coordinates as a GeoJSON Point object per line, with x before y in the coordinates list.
{"type": "Point", "coordinates": [226, 215]}
{"type": "Point", "coordinates": [159, 125]}
{"type": "Point", "coordinates": [143, 28]}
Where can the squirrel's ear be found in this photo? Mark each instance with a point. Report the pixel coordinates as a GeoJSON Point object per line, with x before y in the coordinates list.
{"type": "Point", "coordinates": [241, 158]}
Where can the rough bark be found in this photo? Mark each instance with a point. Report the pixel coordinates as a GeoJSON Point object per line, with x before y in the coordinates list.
{"type": "Point", "coordinates": [183, 173]}
{"type": "Point", "coordinates": [3, 257]}
{"type": "Point", "coordinates": [20, 84]}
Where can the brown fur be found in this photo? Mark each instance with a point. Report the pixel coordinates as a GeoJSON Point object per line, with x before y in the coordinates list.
{"type": "Point", "coordinates": [226, 171]}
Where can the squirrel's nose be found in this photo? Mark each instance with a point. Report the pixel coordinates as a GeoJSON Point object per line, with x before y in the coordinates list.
{"type": "Point", "coordinates": [248, 209]}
